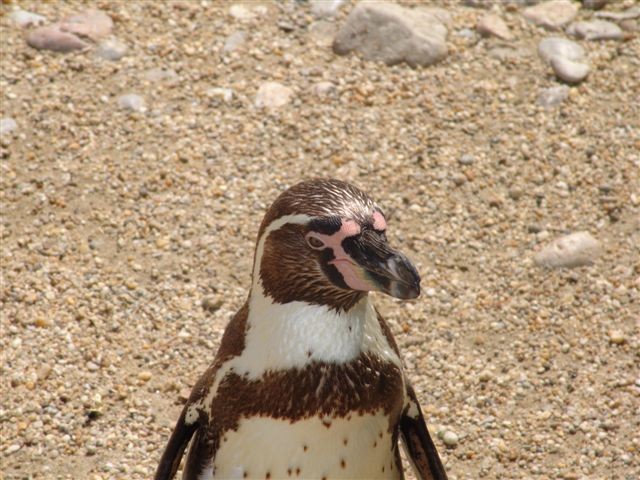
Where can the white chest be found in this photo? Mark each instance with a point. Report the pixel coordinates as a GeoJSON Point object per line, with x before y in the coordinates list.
{"type": "Point", "coordinates": [262, 447]}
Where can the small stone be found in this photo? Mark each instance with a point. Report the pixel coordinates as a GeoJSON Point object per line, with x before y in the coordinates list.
{"type": "Point", "coordinates": [325, 8]}
{"type": "Point", "coordinates": [551, 47]}
{"type": "Point", "coordinates": [224, 94]}
{"type": "Point", "coordinates": [550, 97]}
{"type": "Point", "coordinates": [324, 89]}
{"type": "Point", "coordinates": [94, 24]}
{"type": "Point", "coordinates": [628, 14]}
{"type": "Point", "coordinates": [145, 375]}
{"type": "Point", "coordinates": [161, 75]}
{"type": "Point", "coordinates": [466, 159]}
{"type": "Point", "coordinates": [273, 95]}
{"type": "Point", "coordinates": [12, 449]}
{"type": "Point", "coordinates": [7, 125]}
{"type": "Point", "coordinates": [450, 439]}
{"type": "Point", "coordinates": [617, 337]}
{"type": "Point", "coordinates": [568, 70]}
{"type": "Point", "coordinates": [92, 367]}
{"type": "Point", "coordinates": [241, 13]}
{"type": "Point", "coordinates": [25, 19]}
{"type": "Point", "coordinates": [596, 30]}
{"type": "Point", "coordinates": [573, 250]}
{"type": "Point", "coordinates": [234, 41]}
{"type": "Point", "coordinates": [211, 304]}
{"type": "Point", "coordinates": [553, 14]}
{"type": "Point", "coordinates": [111, 49]}
{"type": "Point", "coordinates": [132, 102]}
{"type": "Point", "coordinates": [43, 322]}
{"type": "Point", "coordinates": [393, 34]}
{"type": "Point", "coordinates": [52, 37]}
{"type": "Point", "coordinates": [323, 32]}
{"type": "Point", "coordinates": [594, 4]}
{"type": "Point", "coordinates": [492, 25]}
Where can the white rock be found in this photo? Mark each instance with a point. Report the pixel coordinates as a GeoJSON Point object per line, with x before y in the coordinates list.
{"type": "Point", "coordinates": [574, 250]}
{"type": "Point", "coordinates": [551, 47]}
{"type": "Point", "coordinates": [492, 25]}
{"type": "Point", "coordinates": [325, 8]}
{"type": "Point", "coordinates": [273, 95]}
{"type": "Point", "coordinates": [628, 14]}
{"type": "Point", "coordinates": [550, 97]}
{"type": "Point", "coordinates": [324, 89]}
{"type": "Point", "coordinates": [617, 337]}
{"type": "Point", "coordinates": [393, 34]}
{"type": "Point", "coordinates": [25, 19]}
{"type": "Point", "coordinates": [244, 14]}
{"type": "Point", "coordinates": [234, 41]}
{"type": "Point", "coordinates": [132, 102]}
{"type": "Point", "coordinates": [7, 125]}
{"type": "Point", "coordinates": [450, 438]}
{"type": "Point", "coordinates": [553, 14]}
{"type": "Point", "coordinates": [111, 49]}
{"type": "Point", "coordinates": [224, 94]}
{"type": "Point", "coordinates": [596, 30]}
{"type": "Point", "coordinates": [568, 70]}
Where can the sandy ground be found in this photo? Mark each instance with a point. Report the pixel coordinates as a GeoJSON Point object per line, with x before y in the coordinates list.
{"type": "Point", "coordinates": [127, 237]}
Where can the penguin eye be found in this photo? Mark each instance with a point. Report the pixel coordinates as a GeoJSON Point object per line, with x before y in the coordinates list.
{"type": "Point", "coordinates": [314, 242]}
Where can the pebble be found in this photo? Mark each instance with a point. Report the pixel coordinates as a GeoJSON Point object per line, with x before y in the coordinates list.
{"type": "Point", "coordinates": [53, 38]}
{"type": "Point", "coordinates": [92, 23]}
{"type": "Point", "coordinates": [234, 41]}
{"type": "Point", "coordinates": [324, 89]}
{"type": "Point", "coordinates": [325, 8]}
{"type": "Point", "coordinates": [629, 14]}
{"type": "Point", "coordinates": [131, 101]}
{"type": "Point", "coordinates": [7, 125]}
{"type": "Point", "coordinates": [161, 75]}
{"type": "Point", "coordinates": [617, 337]}
{"type": "Point", "coordinates": [25, 19]}
{"type": "Point", "coordinates": [450, 438]}
{"type": "Point", "coordinates": [492, 25]}
{"type": "Point", "coordinates": [550, 97]}
{"type": "Point", "coordinates": [594, 4]}
{"type": "Point", "coordinates": [224, 94]}
{"type": "Point", "coordinates": [145, 375]}
{"type": "Point", "coordinates": [466, 159]}
{"type": "Point", "coordinates": [12, 449]}
{"type": "Point", "coordinates": [393, 34]}
{"type": "Point", "coordinates": [553, 14]}
{"type": "Point", "coordinates": [551, 47]}
{"type": "Point", "coordinates": [568, 70]}
{"type": "Point", "coordinates": [596, 30]}
{"type": "Point", "coordinates": [242, 12]}
{"type": "Point", "coordinates": [111, 49]}
{"type": "Point", "coordinates": [273, 95]}
{"type": "Point", "coordinates": [573, 250]}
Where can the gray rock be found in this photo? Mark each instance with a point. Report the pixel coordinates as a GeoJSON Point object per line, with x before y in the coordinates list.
{"type": "Point", "coordinates": [325, 8]}
{"type": "Point", "coordinates": [234, 41]}
{"type": "Point", "coordinates": [25, 19]}
{"type": "Point", "coordinates": [393, 34]}
{"type": "Point", "coordinates": [568, 70]}
{"type": "Point", "coordinates": [550, 97]}
{"type": "Point", "coordinates": [324, 89]}
{"type": "Point", "coordinates": [112, 49]}
{"type": "Point", "coordinates": [628, 14]}
{"type": "Point", "coordinates": [594, 4]}
{"type": "Point", "coordinates": [7, 125]}
{"type": "Point", "coordinates": [93, 24]}
{"type": "Point", "coordinates": [52, 37]}
{"type": "Point", "coordinates": [553, 14]}
{"type": "Point", "coordinates": [492, 25]}
{"type": "Point", "coordinates": [132, 101]}
{"type": "Point", "coordinates": [596, 30]}
{"type": "Point", "coordinates": [574, 250]}
{"type": "Point", "coordinates": [273, 95]}
{"type": "Point", "coordinates": [466, 159]}
{"type": "Point", "coordinates": [551, 47]}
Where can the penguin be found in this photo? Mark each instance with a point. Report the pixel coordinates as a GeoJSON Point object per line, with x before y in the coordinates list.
{"type": "Point", "coordinates": [308, 380]}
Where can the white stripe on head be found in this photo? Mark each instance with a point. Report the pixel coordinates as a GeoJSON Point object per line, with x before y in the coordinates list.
{"type": "Point", "coordinates": [273, 226]}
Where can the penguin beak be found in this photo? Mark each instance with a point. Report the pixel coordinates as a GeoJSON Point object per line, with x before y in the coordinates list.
{"type": "Point", "coordinates": [383, 268]}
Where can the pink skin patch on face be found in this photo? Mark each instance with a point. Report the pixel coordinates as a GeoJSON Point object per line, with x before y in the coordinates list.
{"type": "Point", "coordinates": [379, 223]}
{"type": "Point", "coordinates": [352, 274]}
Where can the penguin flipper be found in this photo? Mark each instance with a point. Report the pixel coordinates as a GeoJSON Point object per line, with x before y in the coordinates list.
{"type": "Point", "coordinates": [170, 460]}
{"type": "Point", "coordinates": [420, 448]}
